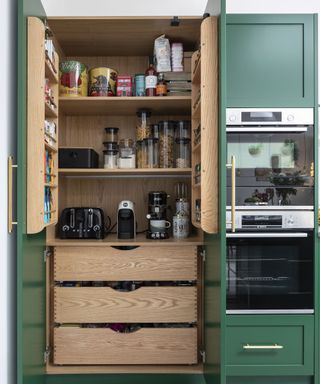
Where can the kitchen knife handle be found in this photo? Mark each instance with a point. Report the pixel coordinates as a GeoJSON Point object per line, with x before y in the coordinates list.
{"type": "Point", "coordinates": [11, 223]}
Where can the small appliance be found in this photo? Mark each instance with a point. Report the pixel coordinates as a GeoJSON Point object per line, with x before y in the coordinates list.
{"type": "Point", "coordinates": [126, 220]}
{"type": "Point", "coordinates": [78, 158]}
{"type": "Point", "coordinates": [82, 223]}
{"type": "Point", "coordinates": [158, 224]}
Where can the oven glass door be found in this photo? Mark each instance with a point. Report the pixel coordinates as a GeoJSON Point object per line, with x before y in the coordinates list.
{"type": "Point", "coordinates": [272, 273]}
{"type": "Point", "coordinates": [272, 168]}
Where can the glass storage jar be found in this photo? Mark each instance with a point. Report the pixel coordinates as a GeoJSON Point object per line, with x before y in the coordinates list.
{"type": "Point", "coordinates": [182, 129]}
{"type": "Point", "coordinates": [140, 154]}
{"type": "Point", "coordinates": [110, 158]}
{"type": "Point", "coordinates": [166, 144]}
{"type": "Point", "coordinates": [112, 134]}
{"type": "Point", "coordinates": [151, 149]}
{"type": "Point", "coordinates": [127, 154]}
{"type": "Point", "coordinates": [143, 130]}
{"type": "Point", "coordinates": [183, 155]}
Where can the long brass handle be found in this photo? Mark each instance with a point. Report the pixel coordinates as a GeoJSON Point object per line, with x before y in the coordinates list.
{"type": "Point", "coordinates": [10, 191]}
{"type": "Point", "coordinates": [265, 347]}
{"type": "Point", "coordinates": [232, 165]}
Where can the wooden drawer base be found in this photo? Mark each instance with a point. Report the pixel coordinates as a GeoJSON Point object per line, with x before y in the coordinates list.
{"type": "Point", "coordinates": [83, 346]}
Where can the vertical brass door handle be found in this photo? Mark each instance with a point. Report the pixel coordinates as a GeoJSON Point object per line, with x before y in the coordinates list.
{"type": "Point", "coordinates": [232, 165]}
{"type": "Point", "coordinates": [10, 192]}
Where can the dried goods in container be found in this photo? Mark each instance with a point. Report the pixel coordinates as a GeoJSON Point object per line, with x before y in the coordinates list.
{"type": "Point", "coordinates": [166, 144]}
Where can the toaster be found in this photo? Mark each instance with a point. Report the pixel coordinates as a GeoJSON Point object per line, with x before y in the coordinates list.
{"type": "Point", "coordinates": [81, 223]}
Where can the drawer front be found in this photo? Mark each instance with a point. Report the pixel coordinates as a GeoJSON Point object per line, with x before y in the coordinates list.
{"type": "Point", "coordinates": [144, 305]}
{"type": "Point", "coordinates": [112, 264]}
{"type": "Point", "coordinates": [261, 348]}
{"type": "Point", "coordinates": [145, 346]}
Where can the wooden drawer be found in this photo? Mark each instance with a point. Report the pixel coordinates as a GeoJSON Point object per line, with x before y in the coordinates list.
{"type": "Point", "coordinates": [145, 346]}
{"type": "Point", "coordinates": [111, 264]}
{"type": "Point", "coordinates": [144, 305]}
{"type": "Point", "coordinates": [270, 345]}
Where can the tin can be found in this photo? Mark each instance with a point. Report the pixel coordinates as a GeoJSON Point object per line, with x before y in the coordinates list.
{"type": "Point", "coordinates": [73, 79]}
{"type": "Point", "coordinates": [180, 226]}
{"type": "Point", "coordinates": [124, 85]}
{"type": "Point", "coordinates": [140, 87]}
{"type": "Point", "coordinates": [102, 81]}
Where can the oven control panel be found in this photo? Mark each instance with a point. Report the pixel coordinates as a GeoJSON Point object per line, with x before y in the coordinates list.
{"type": "Point", "coordinates": [255, 220]}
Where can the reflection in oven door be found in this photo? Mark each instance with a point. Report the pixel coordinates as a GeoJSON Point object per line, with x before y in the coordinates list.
{"type": "Point", "coordinates": [272, 273]}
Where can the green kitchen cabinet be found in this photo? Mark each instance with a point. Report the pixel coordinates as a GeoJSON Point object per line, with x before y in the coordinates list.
{"type": "Point", "coordinates": [271, 60]}
{"type": "Point", "coordinates": [33, 344]}
{"type": "Point", "coordinates": [270, 345]}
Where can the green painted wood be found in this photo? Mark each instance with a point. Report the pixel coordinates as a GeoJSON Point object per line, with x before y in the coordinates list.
{"type": "Point", "coordinates": [271, 380]}
{"type": "Point", "coordinates": [270, 61]}
{"type": "Point", "coordinates": [294, 332]}
{"type": "Point", "coordinates": [30, 266]}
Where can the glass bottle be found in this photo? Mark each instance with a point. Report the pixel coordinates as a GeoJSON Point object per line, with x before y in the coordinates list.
{"type": "Point", "coordinates": [151, 79]}
{"type": "Point", "coordinates": [161, 86]}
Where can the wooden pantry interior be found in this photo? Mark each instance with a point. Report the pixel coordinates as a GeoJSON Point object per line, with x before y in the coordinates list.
{"type": "Point", "coordinates": [169, 336]}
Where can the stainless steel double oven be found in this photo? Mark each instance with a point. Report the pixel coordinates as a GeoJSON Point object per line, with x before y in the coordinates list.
{"type": "Point", "coordinates": [270, 210]}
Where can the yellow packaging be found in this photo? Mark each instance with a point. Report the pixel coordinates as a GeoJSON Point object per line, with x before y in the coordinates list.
{"type": "Point", "coordinates": [73, 79]}
{"type": "Point", "coordinates": [102, 81]}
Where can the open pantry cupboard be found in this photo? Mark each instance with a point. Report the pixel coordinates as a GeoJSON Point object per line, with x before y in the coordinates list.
{"type": "Point", "coordinates": [173, 315]}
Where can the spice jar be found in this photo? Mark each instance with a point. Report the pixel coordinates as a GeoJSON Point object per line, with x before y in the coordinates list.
{"type": "Point", "coordinates": [143, 130]}
{"type": "Point", "coordinates": [127, 154]}
{"type": "Point", "coordinates": [112, 134]}
{"type": "Point", "coordinates": [182, 153]}
{"type": "Point", "coordinates": [151, 149]}
{"type": "Point", "coordinates": [110, 159]}
{"type": "Point", "coordinates": [182, 129]}
{"type": "Point", "coordinates": [166, 144]}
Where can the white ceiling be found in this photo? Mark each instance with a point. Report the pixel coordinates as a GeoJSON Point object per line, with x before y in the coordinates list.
{"type": "Point", "coordinates": [124, 7]}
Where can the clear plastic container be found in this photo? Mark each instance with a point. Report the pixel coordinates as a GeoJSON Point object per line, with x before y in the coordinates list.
{"type": "Point", "coordinates": [127, 154]}
{"type": "Point", "coordinates": [112, 134]}
{"type": "Point", "coordinates": [143, 130]}
{"type": "Point", "coordinates": [182, 129]}
{"type": "Point", "coordinates": [166, 144]}
{"type": "Point", "coordinates": [111, 159]}
{"type": "Point", "coordinates": [183, 153]}
{"type": "Point", "coordinates": [140, 154]}
{"type": "Point", "coordinates": [151, 157]}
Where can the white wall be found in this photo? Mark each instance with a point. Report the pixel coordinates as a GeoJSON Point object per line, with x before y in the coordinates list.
{"type": "Point", "coordinates": [7, 146]}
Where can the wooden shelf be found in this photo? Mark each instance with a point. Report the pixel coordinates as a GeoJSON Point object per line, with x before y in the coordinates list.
{"type": "Point", "coordinates": [112, 240]}
{"type": "Point", "coordinates": [169, 105]}
{"type": "Point", "coordinates": [50, 73]}
{"type": "Point", "coordinates": [123, 172]}
{"type": "Point", "coordinates": [50, 147]}
{"type": "Point", "coordinates": [49, 112]}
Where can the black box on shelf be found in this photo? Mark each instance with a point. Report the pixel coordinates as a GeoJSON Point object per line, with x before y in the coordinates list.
{"type": "Point", "coordinates": [78, 158]}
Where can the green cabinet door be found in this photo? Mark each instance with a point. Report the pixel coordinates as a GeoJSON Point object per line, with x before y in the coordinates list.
{"type": "Point", "coordinates": [30, 248]}
{"type": "Point", "coordinates": [271, 60]}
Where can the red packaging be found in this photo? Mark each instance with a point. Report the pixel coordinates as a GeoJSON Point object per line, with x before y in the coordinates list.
{"type": "Point", "coordinates": [124, 85]}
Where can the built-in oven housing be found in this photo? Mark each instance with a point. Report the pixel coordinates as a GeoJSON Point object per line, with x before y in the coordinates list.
{"type": "Point", "coordinates": [270, 272]}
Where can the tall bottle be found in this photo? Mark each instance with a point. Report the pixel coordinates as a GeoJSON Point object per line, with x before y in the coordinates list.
{"type": "Point", "coordinates": [151, 79]}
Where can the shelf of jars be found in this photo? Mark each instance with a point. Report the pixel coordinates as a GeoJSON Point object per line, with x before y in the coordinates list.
{"type": "Point", "coordinates": [124, 172]}
{"type": "Point", "coordinates": [125, 106]}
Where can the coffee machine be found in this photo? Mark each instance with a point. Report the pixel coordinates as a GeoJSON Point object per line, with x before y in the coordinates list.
{"type": "Point", "coordinates": [126, 220]}
{"type": "Point", "coordinates": [158, 225]}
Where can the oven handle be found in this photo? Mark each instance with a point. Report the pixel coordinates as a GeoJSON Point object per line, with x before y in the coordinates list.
{"type": "Point", "coordinates": [232, 165]}
{"type": "Point", "coordinates": [266, 234]}
{"type": "Point", "coordinates": [261, 347]}
{"type": "Point", "coordinates": [267, 129]}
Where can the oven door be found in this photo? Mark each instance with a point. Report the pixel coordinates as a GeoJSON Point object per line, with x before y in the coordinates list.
{"type": "Point", "coordinates": [270, 272]}
{"type": "Point", "coordinates": [274, 165]}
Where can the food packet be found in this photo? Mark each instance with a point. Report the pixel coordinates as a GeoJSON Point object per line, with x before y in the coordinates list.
{"type": "Point", "coordinates": [162, 54]}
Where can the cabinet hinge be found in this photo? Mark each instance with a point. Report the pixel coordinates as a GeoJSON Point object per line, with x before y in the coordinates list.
{"type": "Point", "coordinates": [203, 356]}
{"type": "Point", "coordinates": [175, 22]}
{"type": "Point", "coordinates": [46, 254]}
{"type": "Point", "coordinates": [46, 354]}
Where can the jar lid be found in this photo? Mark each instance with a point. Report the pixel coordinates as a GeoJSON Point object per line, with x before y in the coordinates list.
{"type": "Point", "coordinates": [183, 140]}
{"type": "Point", "coordinates": [147, 112]}
{"type": "Point", "coordinates": [110, 145]}
{"type": "Point", "coordinates": [110, 151]}
{"type": "Point", "coordinates": [139, 74]}
{"type": "Point", "coordinates": [183, 124]}
{"type": "Point", "coordinates": [111, 129]}
{"type": "Point", "coordinates": [152, 139]}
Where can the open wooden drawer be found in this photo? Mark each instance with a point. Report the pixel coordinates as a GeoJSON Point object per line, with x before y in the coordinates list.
{"type": "Point", "coordinates": [73, 345]}
{"type": "Point", "coordinates": [144, 305]}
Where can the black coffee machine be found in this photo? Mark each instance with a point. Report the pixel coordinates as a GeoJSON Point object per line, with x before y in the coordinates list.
{"type": "Point", "coordinates": [158, 224]}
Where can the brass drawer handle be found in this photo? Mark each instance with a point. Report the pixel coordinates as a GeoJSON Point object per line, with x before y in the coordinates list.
{"type": "Point", "coordinates": [266, 347]}
{"type": "Point", "coordinates": [10, 191]}
{"type": "Point", "coordinates": [232, 165]}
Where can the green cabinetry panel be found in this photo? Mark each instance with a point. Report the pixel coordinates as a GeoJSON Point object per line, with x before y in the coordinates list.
{"type": "Point", "coordinates": [270, 60]}
{"type": "Point", "coordinates": [270, 345]}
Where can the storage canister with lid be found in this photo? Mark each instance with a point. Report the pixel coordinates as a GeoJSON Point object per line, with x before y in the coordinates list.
{"type": "Point", "coordinates": [110, 158]}
{"type": "Point", "coordinates": [151, 148]}
{"type": "Point", "coordinates": [112, 134]}
{"type": "Point", "coordinates": [73, 79]}
{"type": "Point", "coordinates": [182, 151]}
{"type": "Point", "coordinates": [182, 129]}
{"type": "Point", "coordinates": [102, 81]}
{"type": "Point", "coordinates": [127, 154]}
{"type": "Point", "coordinates": [166, 144]}
{"type": "Point", "coordinates": [143, 129]}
